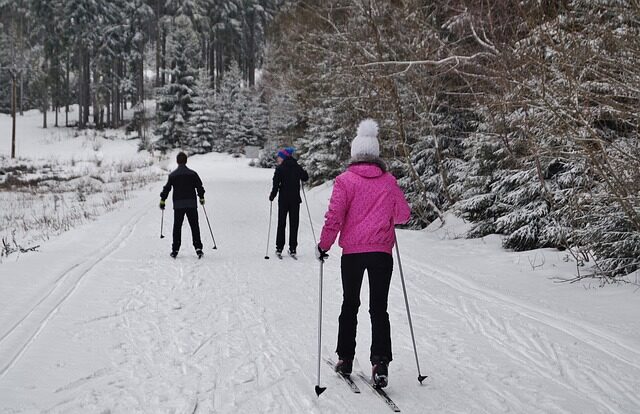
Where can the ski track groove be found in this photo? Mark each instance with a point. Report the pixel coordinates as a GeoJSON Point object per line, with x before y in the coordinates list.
{"type": "Point", "coordinates": [190, 320]}
{"type": "Point", "coordinates": [591, 335]}
{"type": "Point", "coordinates": [50, 310]}
{"type": "Point", "coordinates": [235, 317]}
{"type": "Point", "coordinates": [534, 351]}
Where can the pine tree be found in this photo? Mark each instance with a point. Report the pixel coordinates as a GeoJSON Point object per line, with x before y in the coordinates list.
{"type": "Point", "coordinates": [176, 98]}
{"type": "Point", "coordinates": [202, 122]}
{"type": "Point", "coordinates": [325, 146]}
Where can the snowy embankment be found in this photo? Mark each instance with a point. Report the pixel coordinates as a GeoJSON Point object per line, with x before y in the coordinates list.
{"type": "Point", "coordinates": [62, 177]}
{"type": "Point", "coordinates": [102, 320]}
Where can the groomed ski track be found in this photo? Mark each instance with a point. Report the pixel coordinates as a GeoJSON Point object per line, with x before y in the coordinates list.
{"type": "Point", "coordinates": [107, 322]}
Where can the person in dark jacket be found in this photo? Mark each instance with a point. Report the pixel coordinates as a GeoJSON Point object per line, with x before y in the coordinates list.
{"type": "Point", "coordinates": [186, 183]}
{"type": "Point", "coordinates": [286, 182]}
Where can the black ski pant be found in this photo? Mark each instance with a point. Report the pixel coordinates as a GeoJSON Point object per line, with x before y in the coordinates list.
{"type": "Point", "coordinates": [379, 267]}
{"type": "Point", "coordinates": [178, 219]}
{"type": "Point", "coordinates": [292, 209]}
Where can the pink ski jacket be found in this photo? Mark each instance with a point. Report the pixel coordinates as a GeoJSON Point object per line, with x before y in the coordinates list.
{"type": "Point", "coordinates": [365, 205]}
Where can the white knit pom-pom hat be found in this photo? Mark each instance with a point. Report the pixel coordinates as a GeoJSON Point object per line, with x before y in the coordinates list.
{"type": "Point", "coordinates": [366, 141]}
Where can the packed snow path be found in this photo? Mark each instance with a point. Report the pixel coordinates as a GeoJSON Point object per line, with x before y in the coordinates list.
{"type": "Point", "coordinates": [102, 320]}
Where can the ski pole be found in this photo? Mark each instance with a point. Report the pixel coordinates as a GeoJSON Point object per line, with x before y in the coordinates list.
{"type": "Point", "coordinates": [406, 301]}
{"type": "Point", "coordinates": [211, 231]}
{"type": "Point", "coordinates": [266, 254]}
{"type": "Point", "coordinates": [162, 225]}
{"type": "Point", "coordinates": [319, 389]}
{"type": "Point", "coordinates": [315, 241]}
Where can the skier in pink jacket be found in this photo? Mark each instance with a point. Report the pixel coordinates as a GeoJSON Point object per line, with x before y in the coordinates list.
{"type": "Point", "coordinates": [365, 205]}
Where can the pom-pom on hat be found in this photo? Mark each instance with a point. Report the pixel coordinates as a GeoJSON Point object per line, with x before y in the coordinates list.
{"type": "Point", "coordinates": [366, 141]}
{"type": "Point", "coordinates": [285, 153]}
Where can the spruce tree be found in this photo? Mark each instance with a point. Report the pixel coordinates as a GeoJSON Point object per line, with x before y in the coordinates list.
{"type": "Point", "coordinates": [202, 122]}
{"type": "Point", "coordinates": [176, 98]}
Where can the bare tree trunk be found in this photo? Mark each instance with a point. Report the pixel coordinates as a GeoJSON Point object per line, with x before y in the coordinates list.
{"type": "Point", "coordinates": [158, 41]}
{"type": "Point", "coordinates": [21, 94]}
{"type": "Point", "coordinates": [95, 100]}
{"type": "Point", "coordinates": [87, 87]}
{"type": "Point", "coordinates": [55, 99]}
{"type": "Point", "coordinates": [251, 58]}
{"type": "Point", "coordinates": [80, 84]}
{"type": "Point", "coordinates": [67, 94]}
{"type": "Point", "coordinates": [219, 60]}
{"type": "Point", "coordinates": [116, 95]}
{"type": "Point", "coordinates": [141, 78]}
{"type": "Point", "coordinates": [124, 96]}
{"type": "Point", "coordinates": [164, 55]}
{"type": "Point", "coordinates": [13, 116]}
{"type": "Point", "coordinates": [212, 55]}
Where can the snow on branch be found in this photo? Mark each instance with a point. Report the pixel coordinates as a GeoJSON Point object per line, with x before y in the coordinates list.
{"type": "Point", "coordinates": [448, 60]}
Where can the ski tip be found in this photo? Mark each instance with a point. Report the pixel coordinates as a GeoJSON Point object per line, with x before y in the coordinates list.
{"type": "Point", "coordinates": [320, 390]}
{"type": "Point", "coordinates": [421, 378]}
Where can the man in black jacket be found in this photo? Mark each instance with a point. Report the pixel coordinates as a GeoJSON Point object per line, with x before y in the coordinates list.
{"type": "Point", "coordinates": [286, 181]}
{"type": "Point", "coordinates": [185, 183]}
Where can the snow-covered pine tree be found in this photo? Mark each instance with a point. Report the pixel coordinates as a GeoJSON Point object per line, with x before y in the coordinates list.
{"type": "Point", "coordinates": [255, 119]}
{"type": "Point", "coordinates": [282, 119]}
{"type": "Point", "coordinates": [175, 99]}
{"type": "Point", "coordinates": [241, 114]}
{"type": "Point", "coordinates": [557, 164]}
{"type": "Point", "coordinates": [226, 108]}
{"type": "Point", "coordinates": [325, 146]}
{"type": "Point", "coordinates": [202, 122]}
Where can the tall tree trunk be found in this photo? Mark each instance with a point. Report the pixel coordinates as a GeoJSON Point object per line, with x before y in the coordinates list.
{"type": "Point", "coordinates": [45, 102]}
{"type": "Point", "coordinates": [67, 93]}
{"type": "Point", "coordinates": [219, 60]}
{"type": "Point", "coordinates": [13, 116]}
{"type": "Point", "coordinates": [164, 55]}
{"type": "Point", "coordinates": [158, 40]}
{"type": "Point", "coordinates": [211, 68]}
{"type": "Point", "coordinates": [87, 87]}
{"type": "Point", "coordinates": [141, 78]}
{"type": "Point", "coordinates": [124, 95]}
{"type": "Point", "coordinates": [157, 80]}
{"type": "Point", "coordinates": [80, 91]}
{"type": "Point", "coordinates": [56, 99]}
{"type": "Point", "coordinates": [116, 95]}
{"type": "Point", "coordinates": [251, 58]}
{"type": "Point", "coordinates": [95, 101]}
{"type": "Point", "coordinates": [21, 94]}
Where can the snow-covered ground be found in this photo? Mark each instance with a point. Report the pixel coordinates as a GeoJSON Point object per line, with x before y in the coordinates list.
{"type": "Point", "coordinates": [102, 320]}
{"type": "Point", "coordinates": [62, 177]}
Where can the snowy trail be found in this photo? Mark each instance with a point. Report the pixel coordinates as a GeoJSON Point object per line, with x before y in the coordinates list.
{"type": "Point", "coordinates": [15, 341]}
{"type": "Point", "coordinates": [569, 355]}
{"type": "Point", "coordinates": [126, 329]}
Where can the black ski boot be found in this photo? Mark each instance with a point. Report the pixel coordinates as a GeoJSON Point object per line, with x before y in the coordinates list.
{"type": "Point", "coordinates": [380, 371]}
{"type": "Point", "coordinates": [279, 253]}
{"type": "Point", "coordinates": [199, 253]}
{"type": "Point", "coordinates": [344, 367]}
{"type": "Point", "coordinates": [174, 254]}
{"type": "Point", "coordinates": [292, 253]}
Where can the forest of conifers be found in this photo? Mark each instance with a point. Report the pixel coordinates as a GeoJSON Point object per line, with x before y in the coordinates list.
{"type": "Point", "coordinates": [520, 116]}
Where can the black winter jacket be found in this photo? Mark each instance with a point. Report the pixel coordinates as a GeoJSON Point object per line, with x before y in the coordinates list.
{"type": "Point", "coordinates": [185, 183]}
{"type": "Point", "coordinates": [286, 181]}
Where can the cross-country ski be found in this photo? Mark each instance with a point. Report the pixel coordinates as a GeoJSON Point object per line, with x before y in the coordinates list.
{"type": "Point", "coordinates": [346, 378]}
